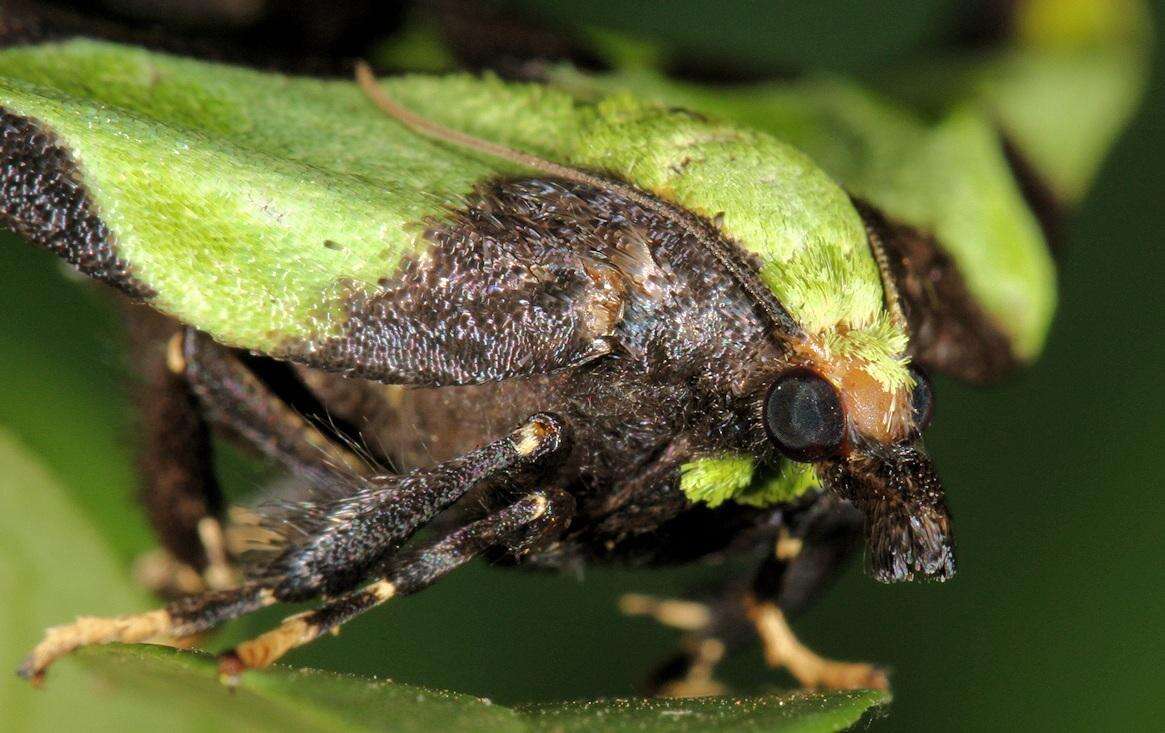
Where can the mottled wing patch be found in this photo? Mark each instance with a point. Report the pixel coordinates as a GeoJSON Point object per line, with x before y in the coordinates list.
{"type": "Point", "coordinates": [45, 203]}
{"type": "Point", "coordinates": [524, 279]}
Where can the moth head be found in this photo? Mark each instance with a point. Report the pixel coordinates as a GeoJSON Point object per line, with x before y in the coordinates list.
{"type": "Point", "coordinates": [864, 439]}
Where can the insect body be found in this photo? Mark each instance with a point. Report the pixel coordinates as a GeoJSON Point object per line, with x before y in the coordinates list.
{"type": "Point", "coordinates": [579, 332]}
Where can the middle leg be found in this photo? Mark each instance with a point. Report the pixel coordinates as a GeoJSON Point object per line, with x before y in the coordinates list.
{"type": "Point", "coordinates": [804, 559]}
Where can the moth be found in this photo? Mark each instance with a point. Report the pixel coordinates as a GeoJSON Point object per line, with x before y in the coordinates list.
{"type": "Point", "coordinates": [555, 324]}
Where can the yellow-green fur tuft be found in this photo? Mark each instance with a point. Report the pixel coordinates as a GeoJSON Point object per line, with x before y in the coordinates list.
{"type": "Point", "coordinates": [715, 479]}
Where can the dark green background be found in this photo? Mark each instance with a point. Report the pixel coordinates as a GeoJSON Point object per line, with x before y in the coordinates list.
{"type": "Point", "coordinates": [1055, 619]}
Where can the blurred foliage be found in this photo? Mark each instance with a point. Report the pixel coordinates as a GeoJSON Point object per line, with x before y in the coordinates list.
{"type": "Point", "coordinates": [1052, 623]}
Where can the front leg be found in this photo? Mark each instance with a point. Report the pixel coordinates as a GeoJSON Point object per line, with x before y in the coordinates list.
{"type": "Point", "coordinates": [190, 383]}
{"type": "Point", "coordinates": [332, 546]}
{"type": "Point", "coordinates": [807, 555]}
{"type": "Point", "coordinates": [525, 523]}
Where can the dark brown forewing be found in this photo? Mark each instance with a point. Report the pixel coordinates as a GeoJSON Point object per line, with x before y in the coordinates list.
{"type": "Point", "coordinates": [949, 331]}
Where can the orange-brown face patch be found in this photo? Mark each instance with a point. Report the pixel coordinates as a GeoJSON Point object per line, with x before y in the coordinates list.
{"type": "Point", "coordinates": [873, 410]}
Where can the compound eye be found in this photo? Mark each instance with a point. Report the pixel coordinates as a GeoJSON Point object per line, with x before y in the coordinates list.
{"type": "Point", "coordinates": [804, 417]}
{"type": "Point", "coordinates": [921, 399]}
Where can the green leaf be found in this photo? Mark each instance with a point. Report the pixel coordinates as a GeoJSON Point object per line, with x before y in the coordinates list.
{"type": "Point", "coordinates": [281, 699]}
{"type": "Point", "coordinates": [803, 712]}
{"type": "Point", "coordinates": [162, 680]}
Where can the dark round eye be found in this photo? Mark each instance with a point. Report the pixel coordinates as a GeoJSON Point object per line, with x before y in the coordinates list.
{"type": "Point", "coordinates": [803, 416]}
{"type": "Point", "coordinates": [921, 399]}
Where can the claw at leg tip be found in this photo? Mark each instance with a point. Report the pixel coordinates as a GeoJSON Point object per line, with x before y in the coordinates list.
{"type": "Point", "coordinates": [28, 672]}
{"type": "Point", "coordinates": [230, 669]}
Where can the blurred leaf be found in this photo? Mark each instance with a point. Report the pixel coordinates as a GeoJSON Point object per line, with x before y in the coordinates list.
{"type": "Point", "coordinates": [1063, 87]}
{"type": "Point", "coordinates": [53, 564]}
{"type": "Point", "coordinates": [61, 366]}
{"type": "Point", "coordinates": [284, 700]}
{"type": "Point", "coordinates": [783, 713]}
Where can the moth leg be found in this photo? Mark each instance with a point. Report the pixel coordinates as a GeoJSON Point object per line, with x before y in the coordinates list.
{"type": "Point", "coordinates": [179, 491]}
{"type": "Point", "coordinates": [527, 522]}
{"type": "Point", "coordinates": [690, 673]}
{"type": "Point", "coordinates": [179, 619]}
{"type": "Point", "coordinates": [193, 380]}
{"type": "Point", "coordinates": [783, 649]}
{"type": "Point", "coordinates": [163, 573]}
{"type": "Point", "coordinates": [795, 572]}
{"type": "Point", "coordinates": [337, 544]}
{"type": "Point", "coordinates": [805, 557]}
{"type": "Point", "coordinates": [233, 396]}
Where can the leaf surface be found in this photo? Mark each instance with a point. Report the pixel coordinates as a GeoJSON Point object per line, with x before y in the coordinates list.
{"type": "Point", "coordinates": [803, 712]}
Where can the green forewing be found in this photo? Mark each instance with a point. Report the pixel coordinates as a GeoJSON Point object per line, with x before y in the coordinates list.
{"type": "Point", "coordinates": [221, 186]}
{"type": "Point", "coordinates": [1059, 89]}
{"type": "Point", "coordinates": [949, 178]}
{"type": "Point", "coordinates": [249, 202]}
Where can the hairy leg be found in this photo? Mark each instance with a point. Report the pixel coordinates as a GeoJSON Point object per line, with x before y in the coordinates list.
{"type": "Point", "coordinates": [190, 382]}
{"type": "Point", "coordinates": [790, 578]}
{"type": "Point", "coordinates": [332, 546]}
{"type": "Point", "coordinates": [531, 519]}
{"type": "Point", "coordinates": [233, 395]}
{"type": "Point", "coordinates": [179, 491]}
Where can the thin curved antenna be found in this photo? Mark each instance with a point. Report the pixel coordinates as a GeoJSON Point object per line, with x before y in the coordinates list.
{"type": "Point", "coordinates": [721, 249]}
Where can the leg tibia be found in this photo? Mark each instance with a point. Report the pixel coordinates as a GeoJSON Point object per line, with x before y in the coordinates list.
{"type": "Point", "coordinates": [178, 485]}
{"type": "Point", "coordinates": [338, 543]}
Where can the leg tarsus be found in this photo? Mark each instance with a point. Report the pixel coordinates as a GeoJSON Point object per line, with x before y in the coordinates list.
{"type": "Point", "coordinates": [181, 618]}
{"type": "Point", "coordinates": [165, 575]}
{"type": "Point", "coordinates": [783, 649]}
{"type": "Point", "coordinates": [692, 672]}
{"type": "Point", "coordinates": [220, 572]}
